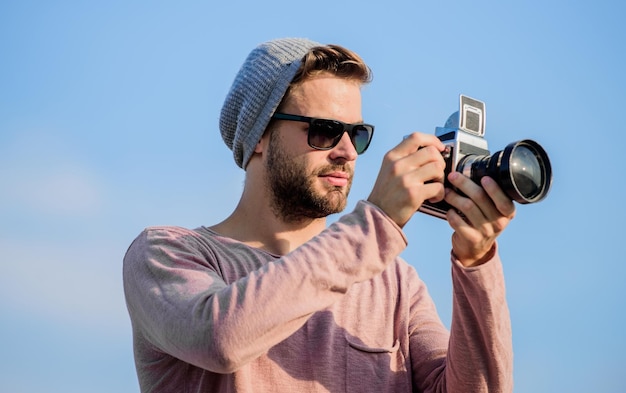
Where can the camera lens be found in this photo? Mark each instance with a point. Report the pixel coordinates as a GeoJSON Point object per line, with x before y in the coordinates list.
{"type": "Point", "coordinates": [526, 172]}
{"type": "Point", "coordinates": [522, 170]}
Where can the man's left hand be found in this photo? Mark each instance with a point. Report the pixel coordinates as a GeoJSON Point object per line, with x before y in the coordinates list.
{"type": "Point", "coordinates": [485, 213]}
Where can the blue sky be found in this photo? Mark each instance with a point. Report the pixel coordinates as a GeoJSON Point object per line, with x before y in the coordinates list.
{"type": "Point", "coordinates": [108, 124]}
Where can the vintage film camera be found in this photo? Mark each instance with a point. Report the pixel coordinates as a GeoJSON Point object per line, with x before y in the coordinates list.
{"type": "Point", "coordinates": [522, 169]}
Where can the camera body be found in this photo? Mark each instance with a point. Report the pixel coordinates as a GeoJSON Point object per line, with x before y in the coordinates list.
{"type": "Point", "coordinates": [463, 135]}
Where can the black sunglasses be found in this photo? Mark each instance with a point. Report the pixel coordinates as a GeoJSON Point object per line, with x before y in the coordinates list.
{"type": "Point", "coordinates": [324, 134]}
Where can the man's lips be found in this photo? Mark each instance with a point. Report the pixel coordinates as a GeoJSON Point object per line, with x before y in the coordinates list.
{"type": "Point", "coordinates": [339, 179]}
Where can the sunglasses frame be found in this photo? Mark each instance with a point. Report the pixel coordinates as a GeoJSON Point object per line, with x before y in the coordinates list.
{"type": "Point", "coordinates": [349, 128]}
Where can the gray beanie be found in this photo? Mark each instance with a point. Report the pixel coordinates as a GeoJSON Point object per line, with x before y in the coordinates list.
{"type": "Point", "coordinates": [257, 91]}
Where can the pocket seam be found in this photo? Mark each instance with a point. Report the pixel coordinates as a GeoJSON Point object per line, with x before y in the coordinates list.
{"type": "Point", "coordinates": [365, 348]}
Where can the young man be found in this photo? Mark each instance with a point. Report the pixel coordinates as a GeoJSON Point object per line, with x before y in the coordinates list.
{"type": "Point", "coordinates": [274, 300]}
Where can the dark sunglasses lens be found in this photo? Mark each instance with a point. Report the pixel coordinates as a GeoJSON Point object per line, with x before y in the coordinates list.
{"type": "Point", "coordinates": [361, 137]}
{"type": "Point", "coordinates": [324, 134]}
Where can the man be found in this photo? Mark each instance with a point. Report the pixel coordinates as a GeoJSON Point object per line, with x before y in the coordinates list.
{"type": "Point", "coordinates": [274, 300]}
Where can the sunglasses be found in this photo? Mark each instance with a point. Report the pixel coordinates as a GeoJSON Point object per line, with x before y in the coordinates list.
{"type": "Point", "coordinates": [324, 134]}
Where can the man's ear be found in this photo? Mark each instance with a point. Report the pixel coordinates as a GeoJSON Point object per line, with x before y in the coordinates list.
{"type": "Point", "coordinates": [263, 142]}
{"type": "Point", "coordinates": [260, 146]}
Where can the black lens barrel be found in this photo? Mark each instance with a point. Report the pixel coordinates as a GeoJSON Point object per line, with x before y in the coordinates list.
{"type": "Point", "coordinates": [522, 170]}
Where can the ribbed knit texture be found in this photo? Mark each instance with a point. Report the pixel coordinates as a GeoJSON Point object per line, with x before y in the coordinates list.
{"type": "Point", "coordinates": [257, 91]}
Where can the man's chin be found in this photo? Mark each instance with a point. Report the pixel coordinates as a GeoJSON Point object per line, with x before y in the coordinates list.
{"type": "Point", "coordinates": [337, 200]}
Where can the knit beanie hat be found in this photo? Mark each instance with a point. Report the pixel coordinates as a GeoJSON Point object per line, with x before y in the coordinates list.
{"type": "Point", "coordinates": [257, 91]}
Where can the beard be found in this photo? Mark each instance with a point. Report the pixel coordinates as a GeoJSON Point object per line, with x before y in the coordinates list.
{"type": "Point", "coordinates": [292, 190]}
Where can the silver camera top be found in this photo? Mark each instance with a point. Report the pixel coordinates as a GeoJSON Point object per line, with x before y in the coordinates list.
{"type": "Point", "coordinates": [470, 118]}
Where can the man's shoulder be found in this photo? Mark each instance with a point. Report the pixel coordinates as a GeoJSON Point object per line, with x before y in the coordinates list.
{"type": "Point", "coordinates": [175, 232]}
{"type": "Point", "coordinates": [170, 237]}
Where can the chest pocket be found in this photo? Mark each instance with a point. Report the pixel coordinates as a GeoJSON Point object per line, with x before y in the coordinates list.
{"type": "Point", "coordinates": [375, 369]}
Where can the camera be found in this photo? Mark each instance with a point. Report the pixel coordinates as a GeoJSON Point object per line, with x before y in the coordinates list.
{"type": "Point", "coordinates": [522, 169]}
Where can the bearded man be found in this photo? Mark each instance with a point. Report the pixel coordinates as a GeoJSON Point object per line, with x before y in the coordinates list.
{"type": "Point", "coordinates": [273, 299]}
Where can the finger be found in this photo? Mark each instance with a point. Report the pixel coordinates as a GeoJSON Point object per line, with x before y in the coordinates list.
{"type": "Point", "coordinates": [476, 201]}
{"type": "Point", "coordinates": [432, 181]}
{"type": "Point", "coordinates": [421, 183]}
{"type": "Point", "coordinates": [502, 202]}
{"type": "Point", "coordinates": [459, 223]}
{"type": "Point", "coordinates": [423, 165]}
{"type": "Point", "coordinates": [465, 208]}
{"type": "Point", "coordinates": [429, 161]}
{"type": "Point", "coordinates": [413, 142]}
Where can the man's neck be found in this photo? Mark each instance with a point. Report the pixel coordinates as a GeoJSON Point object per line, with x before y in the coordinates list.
{"type": "Point", "coordinates": [258, 226]}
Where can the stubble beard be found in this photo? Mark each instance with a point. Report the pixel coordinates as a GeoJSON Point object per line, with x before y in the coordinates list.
{"type": "Point", "coordinates": [292, 189]}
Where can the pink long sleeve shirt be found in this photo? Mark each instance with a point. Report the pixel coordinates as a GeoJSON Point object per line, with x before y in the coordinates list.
{"type": "Point", "coordinates": [341, 313]}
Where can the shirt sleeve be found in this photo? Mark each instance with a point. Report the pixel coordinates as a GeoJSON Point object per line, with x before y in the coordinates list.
{"type": "Point", "coordinates": [478, 356]}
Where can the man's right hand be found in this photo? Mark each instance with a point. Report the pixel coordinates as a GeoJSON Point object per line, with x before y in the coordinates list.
{"type": "Point", "coordinates": [411, 173]}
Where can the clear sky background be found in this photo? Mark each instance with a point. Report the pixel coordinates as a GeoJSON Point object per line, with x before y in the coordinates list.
{"type": "Point", "coordinates": [108, 124]}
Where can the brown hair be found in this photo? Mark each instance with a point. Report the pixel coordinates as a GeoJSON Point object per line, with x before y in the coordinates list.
{"type": "Point", "coordinates": [334, 59]}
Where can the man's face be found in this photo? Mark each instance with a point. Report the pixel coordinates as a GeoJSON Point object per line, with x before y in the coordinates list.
{"type": "Point", "coordinates": [306, 183]}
